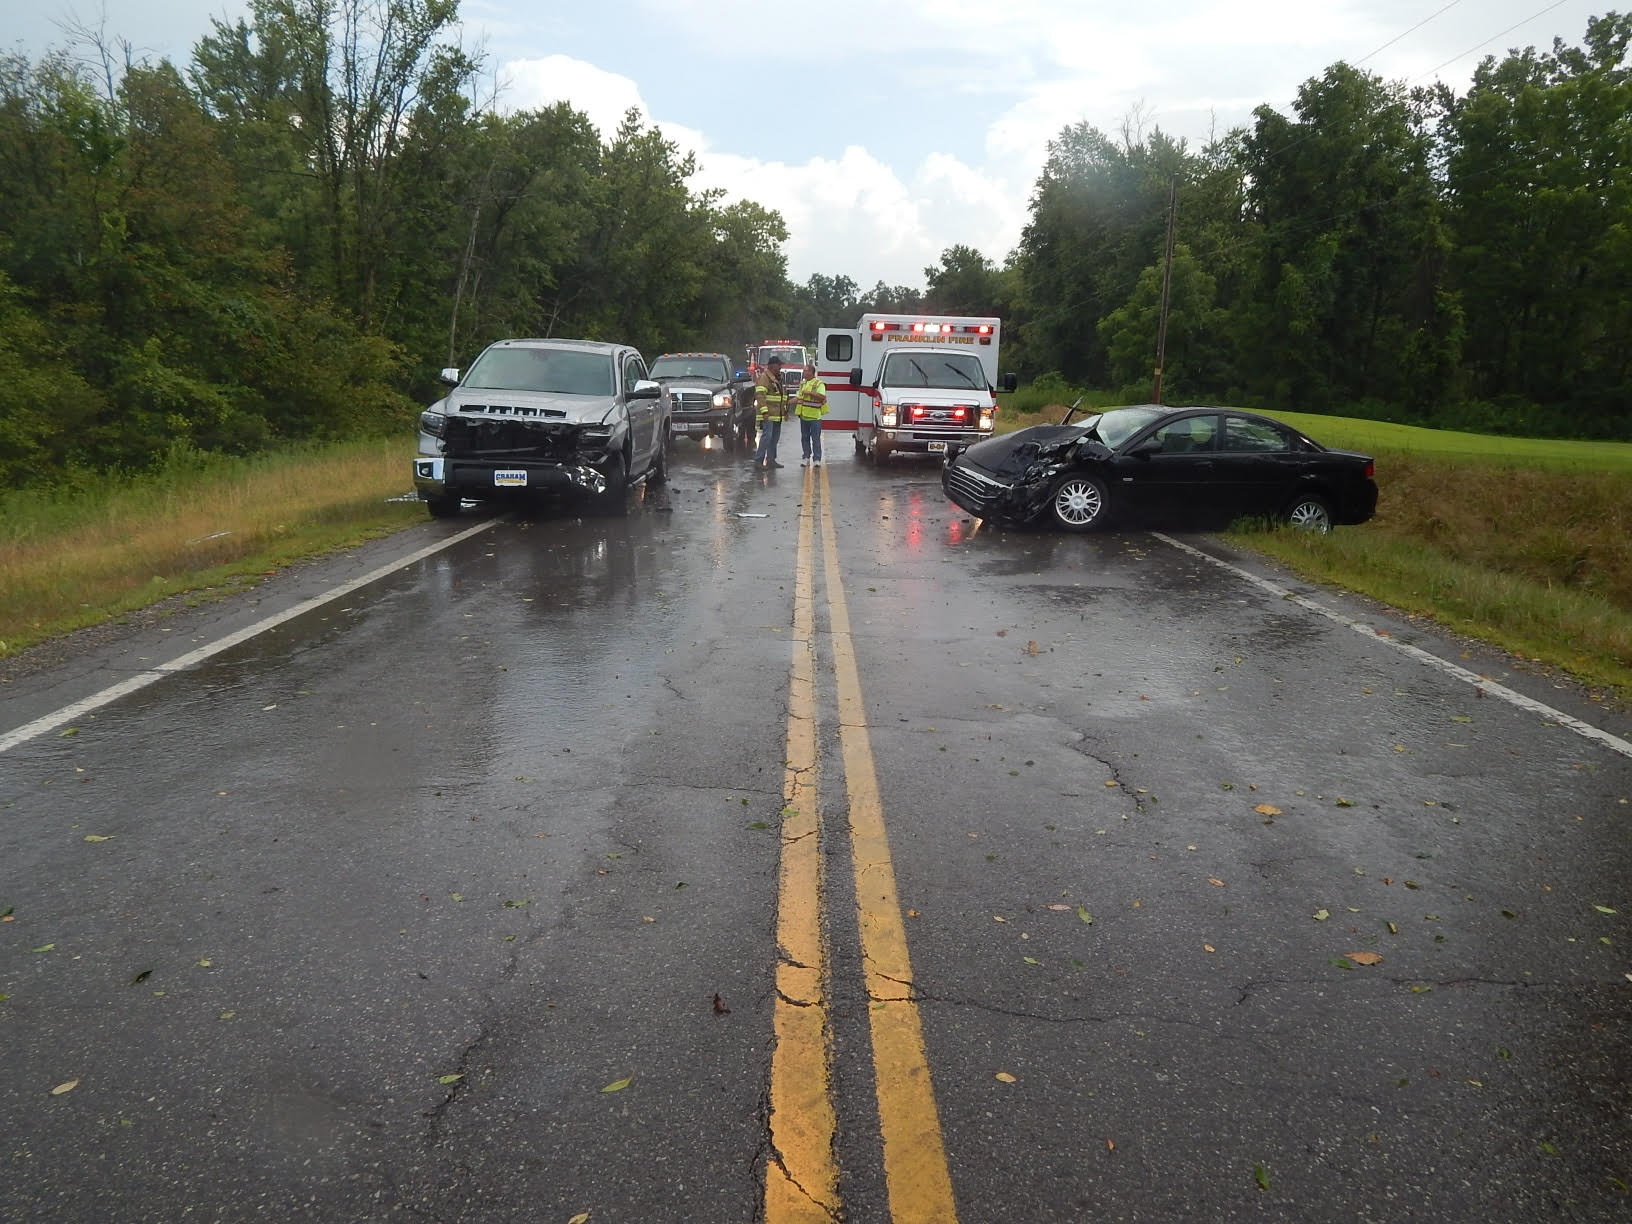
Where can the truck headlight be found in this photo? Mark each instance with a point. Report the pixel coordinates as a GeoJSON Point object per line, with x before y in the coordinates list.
{"type": "Point", "coordinates": [985, 418]}
{"type": "Point", "coordinates": [886, 415]}
{"type": "Point", "coordinates": [433, 423]}
{"type": "Point", "coordinates": [722, 399]}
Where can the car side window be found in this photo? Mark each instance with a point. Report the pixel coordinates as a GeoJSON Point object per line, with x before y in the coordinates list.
{"type": "Point", "coordinates": [840, 348]}
{"type": "Point", "coordinates": [1186, 436]}
{"type": "Point", "coordinates": [634, 369]}
{"type": "Point", "coordinates": [1240, 434]}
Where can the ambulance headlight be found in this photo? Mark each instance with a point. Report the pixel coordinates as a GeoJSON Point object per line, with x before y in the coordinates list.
{"type": "Point", "coordinates": [986, 417]}
{"type": "Point", "coordinates": [886, 415]}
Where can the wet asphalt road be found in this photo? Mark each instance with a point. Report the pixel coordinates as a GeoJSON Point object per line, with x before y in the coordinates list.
{"type": "Point", "coordinates": [370, 915]}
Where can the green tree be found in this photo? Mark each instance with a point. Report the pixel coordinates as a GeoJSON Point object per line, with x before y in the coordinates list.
{"type": "Point", "coordinates": [1539, 168]}
{"type": "Point", "coordinates": [1351, 247]}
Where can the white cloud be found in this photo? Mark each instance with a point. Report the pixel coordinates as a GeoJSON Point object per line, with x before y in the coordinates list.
{"type": "Point", "coordinates": [536, 83]}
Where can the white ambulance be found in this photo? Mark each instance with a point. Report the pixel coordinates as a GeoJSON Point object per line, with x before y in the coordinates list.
{"type": "Point", "coordinates": [920, 384]}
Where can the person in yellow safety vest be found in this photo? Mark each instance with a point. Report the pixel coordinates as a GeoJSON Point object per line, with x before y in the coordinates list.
{"type": "Point", "coordinates": [771, 407]}
{"type": "Point", "coordinates": [810, 406]}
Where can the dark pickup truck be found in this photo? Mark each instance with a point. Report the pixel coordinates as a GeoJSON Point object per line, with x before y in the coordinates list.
{"type": "Point", "coordinates": [708, 397]}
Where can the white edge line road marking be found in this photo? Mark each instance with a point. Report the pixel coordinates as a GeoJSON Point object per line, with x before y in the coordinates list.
{"type": "Point", "coordinates": [1613, 742]}
{"type": "Point", "coordinates": [141, 680]}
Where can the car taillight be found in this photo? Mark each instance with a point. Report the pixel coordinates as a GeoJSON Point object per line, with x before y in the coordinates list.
{"type": "Point", "coordinates": [1369, 470]}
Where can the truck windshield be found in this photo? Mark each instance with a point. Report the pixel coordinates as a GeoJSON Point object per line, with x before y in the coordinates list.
{"type": "Point", "coordinates": [948, 371]}
{"type": "Point", "coordinates": [553, 371]}
{"type": "Point", "coordinates": [690, 367]}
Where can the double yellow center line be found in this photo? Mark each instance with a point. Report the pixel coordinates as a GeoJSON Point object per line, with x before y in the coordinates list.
{"type": "Point", "coordinates": [801, 1175]}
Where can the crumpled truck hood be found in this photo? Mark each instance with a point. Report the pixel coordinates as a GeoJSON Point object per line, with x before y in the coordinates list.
{"type": "Point", "coordinates": [477, 403]}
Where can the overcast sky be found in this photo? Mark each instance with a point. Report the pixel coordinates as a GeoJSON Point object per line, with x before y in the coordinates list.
{"type": "Point", "coordinates": [886, 132]}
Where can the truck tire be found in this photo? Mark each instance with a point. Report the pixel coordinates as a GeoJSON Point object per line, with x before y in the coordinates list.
{"type": "Point", "coordinates": [442, 507]}
{"type": "Point", "coordinates": [658, 476]}
{"type": "Point", "coordinates": [614, 500]}
{"type": "Point", "coordinates": [882, 451]}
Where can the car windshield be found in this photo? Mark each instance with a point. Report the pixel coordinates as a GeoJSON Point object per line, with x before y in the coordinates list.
{"type": "Point", "coordinates": [1116, 425]}
{"type": "Point", "coordinates": [690, 367]}
{"type": "Point", "coordinates": [945, 371]}
{"type": "Point", "coordinates": [556, 371]}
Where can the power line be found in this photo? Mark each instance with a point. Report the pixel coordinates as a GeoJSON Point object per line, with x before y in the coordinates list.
{"type": "Point", "coordinates": [1494, 37]}
{"type": "Point", "coordinates": [1412, 30]}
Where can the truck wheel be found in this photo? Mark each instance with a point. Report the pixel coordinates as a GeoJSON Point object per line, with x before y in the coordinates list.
{"type": "Point", "coordinates": [658, 476]}
{"type": "Point", "coordinates": [861, 447]}
{"type": "Point", "coordinates": [442, 507]}
{"type": "Point", "coordinates": [614, 500]}
{"type": "Point", "coordinates": [882, 450]}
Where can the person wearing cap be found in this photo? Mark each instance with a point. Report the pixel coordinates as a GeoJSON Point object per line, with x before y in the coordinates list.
{"type": "Point", "coordinates": [810, 406]}
{"type": "Point", "coordinates": [770, 406]}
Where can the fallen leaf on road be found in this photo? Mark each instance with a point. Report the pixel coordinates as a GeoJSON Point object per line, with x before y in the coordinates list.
{"type": "Point", "coordinates": [1321, 915]}
{"type": "Point", "coordinates": [1004, 1077]}
{"type": "Point", "coordinates": [618, 1085]}
{"type": "Point", "coordinates": [1215, 881]}
{"type": "Point", "coordinates": [97, 837]}
{"type": "Point", "coordinates": [1364, 958]}
{"type": "Point", "coordinates": [69, 1086]}
{"type": "Point", "coordinates": [1267, 809]}
{"type": "Point", "coordinates": [581, 1218]}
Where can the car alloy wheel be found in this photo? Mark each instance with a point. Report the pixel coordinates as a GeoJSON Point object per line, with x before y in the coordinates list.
{"type": "Point", "coordinates": [1078, 503]}
{"type": "Point", "coordinates": [1310, 514]}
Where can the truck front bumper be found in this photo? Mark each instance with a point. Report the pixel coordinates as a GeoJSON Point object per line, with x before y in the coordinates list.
{"type": "Point", "coordinates": [437, 478]}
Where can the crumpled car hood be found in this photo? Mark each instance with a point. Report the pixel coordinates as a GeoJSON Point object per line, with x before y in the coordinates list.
{"type": "Point", "coordinates": [475, 403]}
{"type": "Point", "coordinates": [1011, 454]}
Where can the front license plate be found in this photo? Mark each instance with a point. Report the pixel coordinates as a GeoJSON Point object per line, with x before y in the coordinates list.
{"type": "Point", "coordinates": [695, 426]}
{"type": "Point", "coordinates": [510, 478]}
{"type": "Point", "coordinates": [937, 448]}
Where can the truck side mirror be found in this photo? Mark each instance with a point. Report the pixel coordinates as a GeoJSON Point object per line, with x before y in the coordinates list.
{"type": "Point", "coordinates": [449, 376]}
{"type": "Point", "coordinates": [855, 376]}
{"type": "Point", "coordinates": [1008, 382]}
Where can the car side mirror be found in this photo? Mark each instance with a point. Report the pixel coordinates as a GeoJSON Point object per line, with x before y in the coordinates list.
{"type": "Point", "coordinates": [450, 376]}
{"type": "Point", "coordinates": [1145, 449]}
{"type": "Point", "coordinates": [855, 376]}
{"type": "Point", "coordinates": [645, 389]}
{"type": "Point", "coordinates": [1008, 382]}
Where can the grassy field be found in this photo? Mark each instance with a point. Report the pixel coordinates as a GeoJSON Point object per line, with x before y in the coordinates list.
{"type": "Point", "coordinates": [1525, 544]}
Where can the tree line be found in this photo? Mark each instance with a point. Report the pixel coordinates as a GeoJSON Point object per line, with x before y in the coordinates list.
{"type": "Point", "coordinates": [1383, 251]}
{"type": "Point", "coordinates": [285, 239]}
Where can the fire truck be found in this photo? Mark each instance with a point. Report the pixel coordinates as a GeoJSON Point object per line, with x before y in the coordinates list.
{"type": "Point", "coordinates": [792, 353]}
{"type": "Point", "coordinates": [912, 384]}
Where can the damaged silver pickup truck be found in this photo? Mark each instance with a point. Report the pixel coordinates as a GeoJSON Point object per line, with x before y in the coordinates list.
{"type": "Point", "coordinates": [533, 418]}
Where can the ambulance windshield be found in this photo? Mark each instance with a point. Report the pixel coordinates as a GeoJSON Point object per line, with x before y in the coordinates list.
{"type": "Point", "coordinates": [948, 371]}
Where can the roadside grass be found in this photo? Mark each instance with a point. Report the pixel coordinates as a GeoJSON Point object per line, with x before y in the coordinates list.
{"type": "Point", "coordinates": [203, 526]}
{"type": "Point", "coordinates": [1523, 543]}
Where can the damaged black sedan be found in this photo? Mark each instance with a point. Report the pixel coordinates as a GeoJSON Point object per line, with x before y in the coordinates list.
{"type": "Point", "coordinates": [543, 417]}
{"type": "Point", "coordinates": [1206, 467]}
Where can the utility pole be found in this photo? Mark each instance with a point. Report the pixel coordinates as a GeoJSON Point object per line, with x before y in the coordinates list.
{"type": "Point", "coordinates": [1167, 285]}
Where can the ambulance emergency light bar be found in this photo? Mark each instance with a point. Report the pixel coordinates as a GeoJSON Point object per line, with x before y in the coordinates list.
{"type": "Point", "coordinates": [983, 330]}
